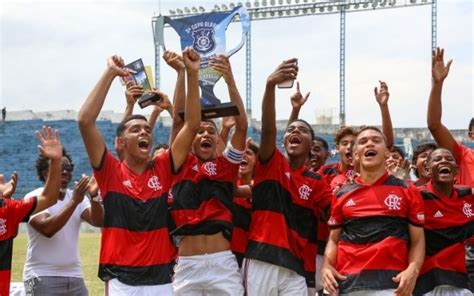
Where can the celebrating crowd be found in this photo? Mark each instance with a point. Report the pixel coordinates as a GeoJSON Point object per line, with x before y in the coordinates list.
{"type": "Point", "coordinates": [213, 212]}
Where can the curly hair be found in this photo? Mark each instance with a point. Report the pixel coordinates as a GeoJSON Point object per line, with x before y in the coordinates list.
{"type": "Point", "coordinates": [42, 165]}
{"type": "Point", "coordinates": [344, 131]}
{"type": "Point", "coordinates": [420, 149]}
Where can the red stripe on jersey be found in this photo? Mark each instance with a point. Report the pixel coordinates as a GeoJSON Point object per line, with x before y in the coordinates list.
{"type": "Point", "coordinates": [141, 248]}
{"type": "Point", "coordinates": [451, 258]}
{"type": "Point", "coordinates": [388, 254]}
{"type": "Point", "coordinates": [5, 276]}
{"type": "Point", "coordinates": [238, 242]}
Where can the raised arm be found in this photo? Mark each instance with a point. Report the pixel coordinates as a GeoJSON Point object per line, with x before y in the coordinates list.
{"type": "Point", "coordinates": [297, 101]}
{"type": "Point", "coordinates": [132, 92]}
{"type": "Point", "coordinates": [192, 114]}
{"type": "Point", "coordinates": [158, 107]}
{"type": "Point", "coordinates": [439, 72]}
{"type": "Point", "coordinates": [50, 147]}
{"type": "Point", "coordinates": [382, 98]}
{"type": "Point", "coordinates": [175, 61]}
{"type": "Point", "coordinates": [47, 224]}
{"type": "Point", "coordinates": [221, 63]}
{"type": "Point", "coordinates": [90, 110]}
{"type": "Point", "coordinates": [285, 71]}
{"type": "Point", "coordinates": [9, 188]}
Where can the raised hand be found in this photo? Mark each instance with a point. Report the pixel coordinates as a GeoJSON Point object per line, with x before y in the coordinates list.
{"type": "Point", "coordinates": [132, 92]}
{"type": "Point", "coordinates": [164, 103]}
{"type": "Point", "coordinates": [287, 70]}
{"type": "Point", "coordinates": [297, 99]}
{"type": "Point", "coordinates": [228, 122]}
{"type": "Point", "coordinates": [93, 187]}
{"type": "Point", "coordinates": [221, 64]}
{"type": "Point", "coordinates": [7, 189]}
{"type": "Point", "coordinates": [50, 145]}
{"type": "Point", "coordinates": [174, 60]}
{"type": "Point", "coordinates": [439, 70]}
{"type": "Point", "coordinates": [80, 189]}
{"type": "Point", "coordinates": [382, 95]}
{"type": "Point", "coordinates": [191, 59]}
{"type": "Point", "coordinates": [115, 66]}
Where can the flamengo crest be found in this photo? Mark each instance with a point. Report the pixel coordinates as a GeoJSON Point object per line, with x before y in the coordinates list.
{"type": "Point", "coordinates": [3, 226]}
{"type": "Point", "coordinates": [467, 210]}
{"type": "Point", "coordinates": [204, 40]}
{"type": "Point", "coordinates": [210, 168]}
{"type": "Point", "coordinates": [304, 192]}
{"type": "Point", "coordinates": [393, 202]}
{"type": "Point", "coordinates": [154, 183]}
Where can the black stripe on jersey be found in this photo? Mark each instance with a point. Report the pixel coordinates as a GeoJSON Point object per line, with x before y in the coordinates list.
{"type": "Point", "coordinates": [188, 195]}
{"type": "Point", "coordinates": [138, 276]}
{"type": "Point", "coordinates": [439, 239]}
{"type": "Point", "coordinates": [374, 229]}
{"type": "Point", "coordinates": [463, 191]}
{"type": "Point", "coordinates": [241, 217]}
{"type": "Point", "coordinates": [274, 255]}
{"type": "Point", "coordinates": [346, 188]}
{"type": "Point", "coordinates": [394, 181]}
{"type": "Point", "coordinates": [426, 195]}
{"type": "Point", "coordinates": [207, 227]}
{"type": "Point", "coordinates": [321, 247]}
{"type": "Point", "coordinates": [437, 277]}
{"type": "Point", "coordinates": [310, 279]}
{"type": "Point", "coordinates": [134, 214]}
{"type": "Point", "coordinates": [368, 280]}
{"type": "Point", "coordinates": [298, 218]}
{"type": "Point", "coordinates": [312, 175]}
{"type": "Point", "coordinates": [331, 171]}
{"type": "Point", "coordinates": [6, 248]}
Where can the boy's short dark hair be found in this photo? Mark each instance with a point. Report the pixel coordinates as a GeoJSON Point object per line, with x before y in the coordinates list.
{"type": "Point", "coordinates": [122, 125]}
{"type": "Point", "coordinates": [323, 142]}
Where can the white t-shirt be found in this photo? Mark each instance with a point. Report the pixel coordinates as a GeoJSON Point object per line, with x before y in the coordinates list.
{"type": "Point", "coordinates": [58, 255]}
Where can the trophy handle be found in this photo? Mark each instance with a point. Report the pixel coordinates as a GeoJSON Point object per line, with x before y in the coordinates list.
{"type": "Point", "coordinates": [245, 20]}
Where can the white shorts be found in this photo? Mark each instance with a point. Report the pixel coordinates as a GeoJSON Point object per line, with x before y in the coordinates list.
{"type": "Point", "coordinates": [114, 287]}
{"type": "Point", "coordinates": [448, 291]}
{"type": "Point", "coordinates": [317, 276]}
{"type": "Point", "coordinates": [267, 279]}
{"type": "Point", "coordinates": [210, 274]}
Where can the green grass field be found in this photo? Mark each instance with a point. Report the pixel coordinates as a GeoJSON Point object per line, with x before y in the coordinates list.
{"type": "Point", "coordinates": [89, 248]}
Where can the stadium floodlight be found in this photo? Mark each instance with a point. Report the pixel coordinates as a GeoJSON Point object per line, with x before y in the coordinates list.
{"type": "Point", "coordinates": [256, 14]}
{"type": "Point", "coordinates": [172, 12]}
{"type": "Point", "coordinates": [179, 11]}
{"type": "Point", "coordinates": [366, 5]}
{"type": "Point", "coordinates": [248, 4]}
{"type": "Point", "coordinates": [224, 7]}
{"type": "Point", "coordinates": [313, 10]}
{"type": "Point", "coordinates": [288, 1]}
{"type": "Point", "coordinates": [232, 5]}
{"type": "Point", "coordinates": [264, 3]}
{"type": "Point", "coordinates": [280, 2]}
{"type": "Point", "coordinates": [413, 1]}
{"type": "Point", "coordinates": [305, 10]}
{"type": "Point", "coordinates": [217, 8]}
{"type": "Point", "coordinates": [288, 12]}
{"type": "Point", "coordinates": [383, 3]}
{"type": "Point", "coordinates": [256, 4]}
{"type": "Point", "coordinates": [187, 10]}
{"type": "Point", "coordinates": [330, 8]}
{"type": "Point", "coordinates": [201, 9]}
{"type": "Point", "coordinates": [272, 2]}
{"type": "Point", "coordinates": [297, 11]}
{"type": "Point", "coordinates": [297, 1]}
{"type": "Point", "coordinates": [374, 4]}
{"type": "Point", "coordinates": [321, 9]}
{"type": "Point", "coordinates": [272, 13]}
{"type": "Point", "coordinates": [264, 14]}
{"type": "Point", "coordinates": [194, 9]}
{"type": "Point", "coordinates": [356, 6]}
{"type": "Point", "coordinates": [392, 2]}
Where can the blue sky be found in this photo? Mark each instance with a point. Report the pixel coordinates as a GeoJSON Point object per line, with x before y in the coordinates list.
{"type": "Point", "coordinates": [53, 52]}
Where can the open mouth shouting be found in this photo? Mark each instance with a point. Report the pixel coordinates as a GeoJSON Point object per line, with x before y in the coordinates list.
{"type": "Point", "coordinates": [444, 171]}
{"type": "Point", "coordinates": [294, 140]}
{"type": "Point", "coordinates": [370, 154]}
{"type": "Point", "coordinates": [144, 145]}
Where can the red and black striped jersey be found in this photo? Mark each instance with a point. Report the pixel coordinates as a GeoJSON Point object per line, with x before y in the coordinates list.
{"type": "Point", "coordinates": [12, 213]}
{"type": "Point", "coordinates": [373, 246]}
{"type": "Point", "coordinates": [202, 196]}
{"type": "Point", "coordinates": [285, 207]}
{"type": "Point", "coordinates": [241, 221]}
{"type": "Point", "coordinates": [136, 247]}
{"type": "Point", "coordinates": [449, 221]}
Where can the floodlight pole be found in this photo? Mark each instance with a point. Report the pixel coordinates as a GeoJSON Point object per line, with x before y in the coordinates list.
{"type": "Point", "coordinates": [342, 67]}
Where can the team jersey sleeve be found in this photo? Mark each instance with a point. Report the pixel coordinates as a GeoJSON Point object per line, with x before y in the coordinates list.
{"type": "Point", "coordinates": [22, 209]}
{"type": "Point", "coordinates": [103, 174]}
{"type": "Point", "coordinates": [324, 196]}
{"type": "Point", "coordinates": [416, 209]}
{"type": "Point", "coordinates": [336, 219]}
{"type": "Point", "coordinates": [233, 155]}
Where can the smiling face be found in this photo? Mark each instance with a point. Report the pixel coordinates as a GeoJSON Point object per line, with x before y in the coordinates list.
{"type": "Point", "coordinates": [136, 140]}
{"type": "Point", "coordinates": [421, 165]}
{"type": "Point", "coordinates": [442, 166]}
{"type": "Point", "coordinates": [297, 139]}
{"type": "Point", "coordinates": [66, 174]}
{"type": "Point", "coordinates": [371, 150]}
{"type": "Point", "coordinates": [319, 155]}
{"type": "Point", "coordinates": [248, 163]}
{"type": "Point", "coordinates": [205, 141]}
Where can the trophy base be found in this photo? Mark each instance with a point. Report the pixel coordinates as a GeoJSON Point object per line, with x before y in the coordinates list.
{"type": "Point", "coordinates": [216, 111]}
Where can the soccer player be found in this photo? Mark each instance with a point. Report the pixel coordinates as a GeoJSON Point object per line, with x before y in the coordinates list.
{"type": "Point", "coordinates": [449, 218]}
{"type": "Point", "coordinates": [418, 161]}
{"type": "Point", "coordinates": [15, 211]}
{"type": "Point", "coordinates": [376, 243]}
{"type": "Point", "coordinates": [52, 260]}
{"type": "Point", "coordinates": [464, 156]}
{"type": "Point", "coordinates": [137, 255]}
{"type": "Point", "coordinates": [319, 153]}
{"type": "Point", "coordinates": [202, 204]}
{"type": "Point", "coordinates": [286, 201]}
